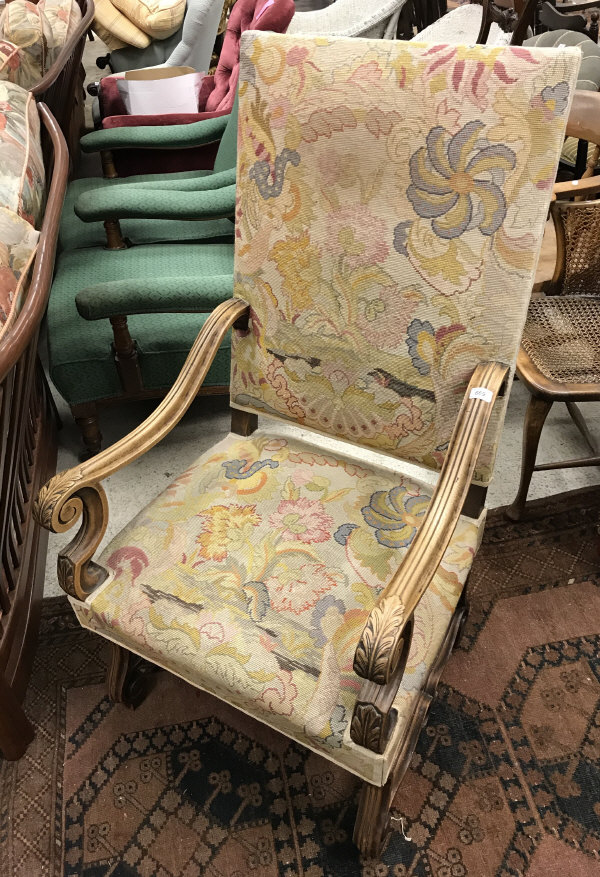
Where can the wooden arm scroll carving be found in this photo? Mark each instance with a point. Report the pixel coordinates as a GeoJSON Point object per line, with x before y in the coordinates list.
{"type": "Point", "coordinates": [77, 492]}
{"type": "Point", "coordinates": [380, 649]}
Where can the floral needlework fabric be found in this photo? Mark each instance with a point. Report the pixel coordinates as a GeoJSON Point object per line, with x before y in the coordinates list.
{"type": "Point", "coordinates": [392, 199]}
{"type": "Point", "coordinates": [252, 577]}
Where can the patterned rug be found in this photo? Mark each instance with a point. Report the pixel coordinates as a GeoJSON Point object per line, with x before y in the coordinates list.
{"type": "Point", "coordinates": [505, 781]}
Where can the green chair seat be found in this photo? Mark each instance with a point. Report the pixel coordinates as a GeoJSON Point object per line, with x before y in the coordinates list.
{"type": "Point", "coordinates": [75, 234]}
{"type": "Point", "coordinates": [80, 355]}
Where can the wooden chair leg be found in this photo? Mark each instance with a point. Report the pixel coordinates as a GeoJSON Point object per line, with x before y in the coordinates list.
{"type": "Point", "coordinates": [373, 818]}
{"type": "Point", "coordinates": [125, 680]}
{"type": "Point", "coordinates": [535, 417]}
{"type": "Point", "coordinates": [86, 418]}
{"type": "Point", "coordinates": [16, 731]}
{"type": "Point", "coordinates": [579, 421]}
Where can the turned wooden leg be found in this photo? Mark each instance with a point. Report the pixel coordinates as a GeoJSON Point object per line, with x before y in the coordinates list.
{"type": "Point", "coordinates": [86, 418]}
{"type": "Point", "coordinates": [114, 237]}
{"type": "Point", "coordinates": [125, 681]}
{"type": "Point", "coordinates": [16, 731]}
{"type": "Point", "coordinates": [535, 417]}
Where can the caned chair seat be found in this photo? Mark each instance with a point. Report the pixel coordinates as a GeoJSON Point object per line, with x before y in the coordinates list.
{"type": "Point", "coordinates": [561, 338]}
{"type": "Point", "coordinates": [253, 574]}
{"type": "Point", "coordinates": [460, 26]}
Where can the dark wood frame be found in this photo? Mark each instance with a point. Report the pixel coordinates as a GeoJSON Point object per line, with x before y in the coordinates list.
{"type": "Point", "coordinates": [27, 459]}
{"type": "Point", "coordinates": [416, 15]}
{"type": "Point", "coordinates": [61, 89]}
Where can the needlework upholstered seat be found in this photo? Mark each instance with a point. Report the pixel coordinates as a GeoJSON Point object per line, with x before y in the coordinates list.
{"type": "Point", "coordinates": [384, 259]}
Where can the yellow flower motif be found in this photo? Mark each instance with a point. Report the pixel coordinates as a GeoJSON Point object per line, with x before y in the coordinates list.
{"type": "Point", "coordinates": [226, 529]}
{"type": "Point", "coordinates": [299, 264]}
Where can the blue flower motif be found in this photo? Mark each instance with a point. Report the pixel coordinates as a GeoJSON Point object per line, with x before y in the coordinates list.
{"type": "Point", "coordinates": [394, 514]}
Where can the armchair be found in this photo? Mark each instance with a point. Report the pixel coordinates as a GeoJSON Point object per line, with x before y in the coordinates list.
{"type": "Point", "coordinates": [381, 285]}
{"type": "Point", "coordinates": [560, 350]}
{"type": "Point", "coordinates": [78, 229]}
{"type": "Point", "coordinates": [216, 95]}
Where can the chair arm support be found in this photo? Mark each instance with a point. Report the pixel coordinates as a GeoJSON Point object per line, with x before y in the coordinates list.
{"type": "Point", "coordinates": [128, 202]}
{"type": "Point", "coordinates": [78, 493]}
{"type": "Point", "coordinates": [156, 137]}
{"type": "Point", "coordinates": [576, 188]}
{"type": "Point", "coordinates": [379, 650]}
{"type": "Point", "coordinates": [190, 295]}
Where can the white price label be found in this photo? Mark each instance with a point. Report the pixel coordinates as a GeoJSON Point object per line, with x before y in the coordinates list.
{"type": "Point", "coordinates": [481, 393]}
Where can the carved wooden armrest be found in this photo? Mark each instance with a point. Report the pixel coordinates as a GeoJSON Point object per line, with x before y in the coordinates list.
{"type": "Point", "coordinates": [384, 644]}
{"type": "Point", "coordinates": [77, 492]}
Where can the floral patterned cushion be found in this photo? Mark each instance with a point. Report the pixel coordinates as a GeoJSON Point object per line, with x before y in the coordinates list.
{"type": "Point", "coordinates": [21, 162]}
{"type": "Point", "coordinates": [392, 199]}
{"type": "Point", "coordinates": [25, 24]}
{"type": "Point", "coordinates": [18, 245]}
{"type": "Point", "coordinates": [253, 574]}
{"type": "Point", "coordinates": [63, 17]}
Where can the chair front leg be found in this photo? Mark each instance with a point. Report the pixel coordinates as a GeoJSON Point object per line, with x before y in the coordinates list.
{"type": "Point", "coordinates": [126, 356]}
{"type": "Point", "coordinates": [535, 417]}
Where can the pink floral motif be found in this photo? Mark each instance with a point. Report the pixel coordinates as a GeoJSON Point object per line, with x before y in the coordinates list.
{"type": "Point", "coordinates": [302, 520]}
{"type": "Point", "coordinates": [300, 588]}
{"type": "Point", "coordinates": [357, 235]}
{"type": "Point", "coordinates": [128, 559]}
{"type": "Point", "coordinates": [279, 696]}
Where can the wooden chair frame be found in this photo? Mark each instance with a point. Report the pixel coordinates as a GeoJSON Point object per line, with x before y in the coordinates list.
{"type": "Point", "coordinates": [583, 123]}
{"type": "Point", "coordinates": [60, 86]}
{"type": "Point", "coordinates": [27, 459]}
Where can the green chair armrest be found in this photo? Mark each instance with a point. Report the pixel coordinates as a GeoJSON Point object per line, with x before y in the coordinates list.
{"type": "Point", "coordinates": [193, 184]}
{"type": "Point", "coordinates": [193, 295]}
{"type": "Point", "coordinates": [126, 202]}
{"type": "Point", "coordinates": [156, 136]}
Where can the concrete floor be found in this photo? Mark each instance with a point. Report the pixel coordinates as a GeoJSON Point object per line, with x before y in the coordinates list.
{"type": "Point", "coordinates": [208, 421]}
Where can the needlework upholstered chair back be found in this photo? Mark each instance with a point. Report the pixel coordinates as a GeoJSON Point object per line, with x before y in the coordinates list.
{"type": "Point", "coordinates": [392, 198]}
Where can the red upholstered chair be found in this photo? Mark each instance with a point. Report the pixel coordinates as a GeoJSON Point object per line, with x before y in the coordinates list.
{"type": "Point", "coordinates": [215, 99]}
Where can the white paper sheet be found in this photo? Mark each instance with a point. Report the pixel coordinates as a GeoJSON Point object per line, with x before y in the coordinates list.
{"type": "Point", "coordinates": [152, 97]}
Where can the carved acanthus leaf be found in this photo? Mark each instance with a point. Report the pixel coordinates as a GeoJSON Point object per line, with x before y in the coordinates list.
{"type": "Point", "coordinates": [48, 508]}
{"type": "Point", "coordinates": [368, 727]}
{"type": "Point", "coordinates": [376, 654]}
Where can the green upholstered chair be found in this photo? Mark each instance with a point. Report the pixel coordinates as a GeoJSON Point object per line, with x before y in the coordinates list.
{"type": "Point", "coordinates": [388, 226]}
{"type": "Point", "coordinates": [76, 233]}
{"type": "Point", "coordinates": [120, 320]}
